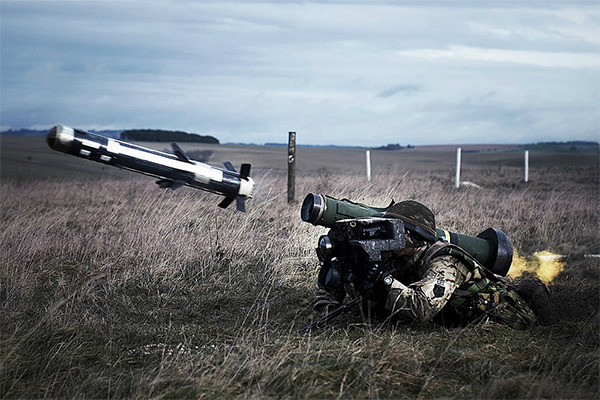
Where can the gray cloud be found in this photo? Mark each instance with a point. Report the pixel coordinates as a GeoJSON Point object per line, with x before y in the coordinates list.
{"type": "Point", "coordinates": [400, 89]}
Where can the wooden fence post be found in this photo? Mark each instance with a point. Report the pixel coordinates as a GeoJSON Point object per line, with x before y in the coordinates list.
{"type": "Point", "coordinates": [291, 189]}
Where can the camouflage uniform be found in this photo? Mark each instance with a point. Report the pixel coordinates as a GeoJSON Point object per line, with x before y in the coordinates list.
{"type": "Point", "coordinates": [455, 291]}
{"type": "Point", "coordinates": [422, 300]}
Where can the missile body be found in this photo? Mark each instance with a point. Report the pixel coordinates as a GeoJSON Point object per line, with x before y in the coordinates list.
{"type": "Point", "coordinates": [173, 170]}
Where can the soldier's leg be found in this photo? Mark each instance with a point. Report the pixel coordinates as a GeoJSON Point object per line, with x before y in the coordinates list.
{"type": "Point", "coordinates": [537, 296]}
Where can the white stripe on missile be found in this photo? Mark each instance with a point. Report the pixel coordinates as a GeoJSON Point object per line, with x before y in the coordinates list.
{"type": "Point", "coordinates": [246, 187]}
{"type": "Point", "coordinates": [202, 172]}
{"type": "Point", "coordinates": [89, 143]}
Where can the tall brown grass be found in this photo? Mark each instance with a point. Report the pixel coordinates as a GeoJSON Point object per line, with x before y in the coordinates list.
{"type": "Point", "coordinates": [117, 289]}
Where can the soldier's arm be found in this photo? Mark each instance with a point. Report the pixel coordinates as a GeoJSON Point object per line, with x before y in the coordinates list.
{"type": "Point", "coordinates": [422, 300]}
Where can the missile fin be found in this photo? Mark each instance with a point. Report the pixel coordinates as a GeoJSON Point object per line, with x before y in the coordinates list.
{"type": "Point", "coordinates": [179, 153]}
{"type": "Point", "coordinates": [177, 184]}
{"type": "Point", "coordinates": [168, 183]}
{"type": "Point", "coordinates": [226, 202]}
{"type": "Point", "coordinates": [163, 183]}
{"type": "Point", "coordinates": [245, 171]}
{"type": "Point", "coordinates": [240, 203]}
{"type": "Point", "coordinates": [229, 166]}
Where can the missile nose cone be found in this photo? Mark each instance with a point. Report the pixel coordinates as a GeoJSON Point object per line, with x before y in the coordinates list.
{"type": "Point", "coordinates": [51, 137]}
{"type": "Point", "coordinates": [60, 138]}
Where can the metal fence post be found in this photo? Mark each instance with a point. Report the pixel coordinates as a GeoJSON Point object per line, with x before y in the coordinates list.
{"type": "Point", "coordinates": [526, 165]}
{"type": "Point", "coordinates": [458, 151]}
{"type": "Point", "coordinates": [368, 165]}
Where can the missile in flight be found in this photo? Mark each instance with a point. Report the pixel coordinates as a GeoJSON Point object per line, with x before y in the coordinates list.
{"type": "Point", "coordinates": [172, 170]}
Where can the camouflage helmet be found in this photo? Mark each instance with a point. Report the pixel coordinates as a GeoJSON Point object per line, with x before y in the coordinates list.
{"type": "Point", "coordinates": [416, 217]}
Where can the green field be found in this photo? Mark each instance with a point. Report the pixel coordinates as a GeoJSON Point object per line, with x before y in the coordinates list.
{"type": "Point", "coordinates": [111, 287]}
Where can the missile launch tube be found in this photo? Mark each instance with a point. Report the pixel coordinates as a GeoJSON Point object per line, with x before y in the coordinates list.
{"type": "Point", "coordinates": [491, 248]}
{"type": "Point", "coordinates": [325, 210]}
{"type": "Point", "coordinates": [173, 170]}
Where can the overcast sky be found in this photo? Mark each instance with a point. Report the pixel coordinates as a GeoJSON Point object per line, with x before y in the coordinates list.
{"type": "Point", "coordinates": [350, 72]}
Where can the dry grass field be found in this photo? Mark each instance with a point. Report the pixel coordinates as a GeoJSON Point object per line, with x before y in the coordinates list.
{"type": "Point", "coordinates": [113, 288]}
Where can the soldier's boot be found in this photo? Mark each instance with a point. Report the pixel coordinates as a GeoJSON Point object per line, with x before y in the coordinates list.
{"type": "Point", "coordinates": [537, 296]}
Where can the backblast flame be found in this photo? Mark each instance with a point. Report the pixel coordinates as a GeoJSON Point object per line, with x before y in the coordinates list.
{"type": "Point", "coordinates": [543, 264]}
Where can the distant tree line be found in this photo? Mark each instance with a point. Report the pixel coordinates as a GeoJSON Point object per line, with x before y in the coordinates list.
{"type": "Point", "coordinates": [570, 143]}
{"type": "Point", "coordinates": [24, 132]}
{"type": "Point", "coordinates": [157, 135]}
{"type": "Point", "coordinates": [395, 146]}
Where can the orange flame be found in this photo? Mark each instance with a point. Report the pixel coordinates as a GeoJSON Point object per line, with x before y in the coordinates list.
{"type": "Point", "coordinates": [544, 264]}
